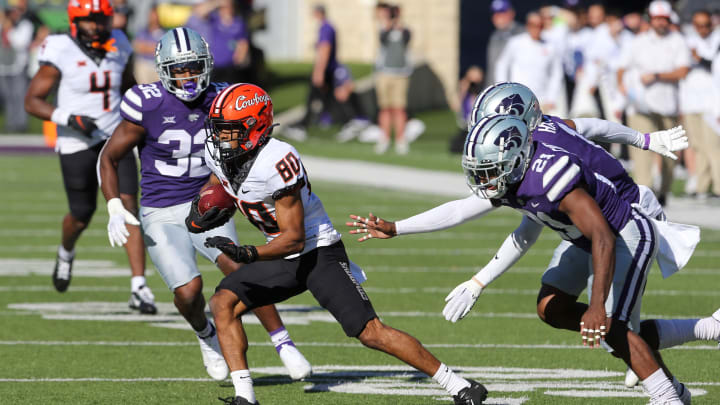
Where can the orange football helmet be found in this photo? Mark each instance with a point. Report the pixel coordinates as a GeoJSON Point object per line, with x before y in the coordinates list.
{"type": "Point", "coordinates": [98, 10]}
{"type": "Point", "coordinates": [240, 121]}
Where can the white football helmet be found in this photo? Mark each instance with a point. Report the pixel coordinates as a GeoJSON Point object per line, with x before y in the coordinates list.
{"type": "Point", "coordinates": [507, 98]}
{"type": "Point", "coordinates": [496, 154]}
{"type": "Point", "coordinates": [182, 49]}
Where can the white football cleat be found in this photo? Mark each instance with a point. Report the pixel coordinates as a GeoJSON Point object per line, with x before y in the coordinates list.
{"type": "Point", "coordinates": [212, 357]}
{"type": "Point", "coordinates": [297, 365]}
{"type": "Point", "coordinates": [143, 300]}
{"type": "Point", "coordinates": [631, 379]}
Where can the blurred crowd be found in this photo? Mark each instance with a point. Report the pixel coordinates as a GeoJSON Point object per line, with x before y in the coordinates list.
{"type": "Point", "coordinates": [650, 69]}
{"type": "Point", "coordinates": [653, 68]}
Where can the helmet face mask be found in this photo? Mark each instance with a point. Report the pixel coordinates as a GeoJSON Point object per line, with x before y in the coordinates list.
{"type": "Point", "coordinates": [507, 98]}
{"type": "Point", "coordinates": [497, 154]}
{"type": "Point", "coordinates": [183, 63]}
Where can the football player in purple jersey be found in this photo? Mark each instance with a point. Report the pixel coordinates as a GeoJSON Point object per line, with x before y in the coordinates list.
{"type": "Point", "coordinates": [165, 120]}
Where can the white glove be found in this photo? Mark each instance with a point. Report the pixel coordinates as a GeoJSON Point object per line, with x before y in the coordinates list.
{"type": "Point", "coordinates": [667, 141]}
{"type": "Point", "coordinates": [117, 231]}
{"type": "Point", "coordinates": [461, 300]}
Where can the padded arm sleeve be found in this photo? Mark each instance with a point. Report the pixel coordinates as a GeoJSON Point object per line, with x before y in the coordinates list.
{"type": "Point", "coordinates": [445, 216]}
{"type": "Point", "coordinates": [596, 129]}
{"type": "Point", "coordinates": [514, 247]}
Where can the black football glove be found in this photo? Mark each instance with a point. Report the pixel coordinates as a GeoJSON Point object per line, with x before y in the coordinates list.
{"type": "Point", "coordinates": [239, 254]}
{"type": "Point", "coordinates": [212, 218]}
{"type": "Point", "coordinates": [84, 125]}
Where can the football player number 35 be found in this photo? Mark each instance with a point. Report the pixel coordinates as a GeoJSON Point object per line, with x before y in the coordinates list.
{"type": "Point", "coordinates": [183, 159]}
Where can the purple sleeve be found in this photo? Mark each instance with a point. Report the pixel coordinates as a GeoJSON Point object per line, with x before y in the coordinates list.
{"type": "Point", "coordinates": [326, 34]}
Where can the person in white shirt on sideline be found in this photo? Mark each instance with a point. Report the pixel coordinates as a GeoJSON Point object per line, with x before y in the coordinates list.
{"type": "Point", "coordinates": [655, 62]}
{"type": "Point", "coordinates": [695, 101]}
{"type": "Point", "coordinates": [529, 60]}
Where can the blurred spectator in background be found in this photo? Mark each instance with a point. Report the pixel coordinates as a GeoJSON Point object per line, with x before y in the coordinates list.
{"type": "Point", "coordinates": [695, 102]}
{"type": "Point", "coordinates": [635, 23]}
{"type": "Point", "coordinates": [121, 15]}
{"type": "Point", "coordinates": [41, 31]}
{"type": "Point", "coordinates": [529, 60]}
{"type": "Point", "coordinates": [322, 79]}
{"type": "Point", "coordinates": [503, 19]}
{"type": "Point", "coordinates": [225, 31]}
{"type": "Point", "coordinates": [469, 87]}
{"type": "Point", "coordinates": [393, 69]}
{"type": "Point", "coordinates": [348, 109]}
{"type": "Point", "coordinates": [601, 64]}
{"type": "Point", "coordinates": [17, 35]}
{"type": "Point", "coordinates": [655, 61]}
{"type": "Point", "coordinates": [578, 38]}
{"type": "Point", "coordinates": [144, 46]}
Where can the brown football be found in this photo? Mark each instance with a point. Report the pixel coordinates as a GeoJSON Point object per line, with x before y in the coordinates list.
{"type": "Point", "coordinates": [215, 196]}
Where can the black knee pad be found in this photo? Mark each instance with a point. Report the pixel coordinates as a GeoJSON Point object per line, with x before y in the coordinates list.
{"type": "Point", "coordinates": [649, 333]}
{"type": "Point", "coordinates": [617, 339]}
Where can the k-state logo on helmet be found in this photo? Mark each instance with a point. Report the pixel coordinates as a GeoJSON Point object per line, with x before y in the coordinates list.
{"type": "Point", "coordinates": [510, 103]}
{"type": "Point", "coordinates": [247, 103]}
{"type": "Point", "coordinates": [511, 137]}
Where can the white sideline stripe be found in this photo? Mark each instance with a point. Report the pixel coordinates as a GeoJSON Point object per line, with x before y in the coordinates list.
{"type": "Point", "coordinates": [322, 344]}
{"type": "Point", "coordinates": [374, 290]}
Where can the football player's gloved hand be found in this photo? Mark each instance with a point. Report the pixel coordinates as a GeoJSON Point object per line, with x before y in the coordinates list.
{"type": "Point", "coordinates": [667, 141]}
{"type": "Point", "coordinates": [84, 125]}
{"type": "Point", "coordinates": [461, 300]}
{"type": "Point", "coordinates": [119, 216]}
{"type": "Point", "coordinates": [212, 218]}
{"type": "Point", "coordinates": [239, 254]}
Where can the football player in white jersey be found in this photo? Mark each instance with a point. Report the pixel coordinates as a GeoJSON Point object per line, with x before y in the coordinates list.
{"type": "Point", "coordinates": [303, 249]}
{"type": "Point", "coordinates": [88, 66]}
{"type": "Point", "coordinates": [173, 172]}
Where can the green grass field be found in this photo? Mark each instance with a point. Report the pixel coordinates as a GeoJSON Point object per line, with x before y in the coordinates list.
{"type": "Point", "coordinates": [86, 347]}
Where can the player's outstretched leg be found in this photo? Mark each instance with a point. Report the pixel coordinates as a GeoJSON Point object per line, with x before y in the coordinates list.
{"type": "Point", "coordinates": [191, 304]}
{"type": "Point", "coordinates": [141, 297]}
{"type": "Point", "coordinates": [297, 365]}
{"type": "Point", "coordinates": [72, 228]}
{"type": "Point", "coordinates": [664, 333]}
{"type": "Point", "coordinates": [379, 336]}
{"type": "Point", "coordinates": [227, 308]}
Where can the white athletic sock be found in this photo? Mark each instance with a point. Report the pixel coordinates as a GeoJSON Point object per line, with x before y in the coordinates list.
{"type": "Point", "coordinates": [449, 380]}
{"type": "Point", "coordinates": [136, 282]}
{"type": "Point", "coordinates": [674, 332]}
{"type": "Point", "coordinates": [243, 385]}
{"type": "Point", "coordinates": [207, 332]}
{"type": "Point", "coordinates": [659, 386]}
{"type": "Point", "coordinates": [64, 254]}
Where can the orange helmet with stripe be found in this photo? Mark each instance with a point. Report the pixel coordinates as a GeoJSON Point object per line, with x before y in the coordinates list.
{"type": "Point", "coordinates": [100, 11]}
{"type": "Point", "coordinates": [240, 121]}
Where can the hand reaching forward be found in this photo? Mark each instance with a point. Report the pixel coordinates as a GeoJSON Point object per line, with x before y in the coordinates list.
{"type": "Point", "coordinates": [372, 227]}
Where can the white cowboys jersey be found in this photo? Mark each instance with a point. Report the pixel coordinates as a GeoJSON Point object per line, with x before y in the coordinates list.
{"type": "Point", "coordinates": [87, 88]}
{"type": "Point", "coordinates": [276, 168]}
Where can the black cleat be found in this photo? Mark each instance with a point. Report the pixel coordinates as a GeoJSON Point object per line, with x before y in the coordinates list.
{"type": "Point", "coordinates": [62, 274]}
{"type": "Point", "coordinates": [475, 394]}
{"type": "Point", "coordinates": [237, 401]}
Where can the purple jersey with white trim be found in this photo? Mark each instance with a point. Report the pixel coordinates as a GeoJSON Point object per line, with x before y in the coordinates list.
{"type": "Point", "coordinates": [554, 172]}
{"type": "Point", "coordinates": [553, 130]}
{"type": "Point", "coordinates": [172, 155]}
